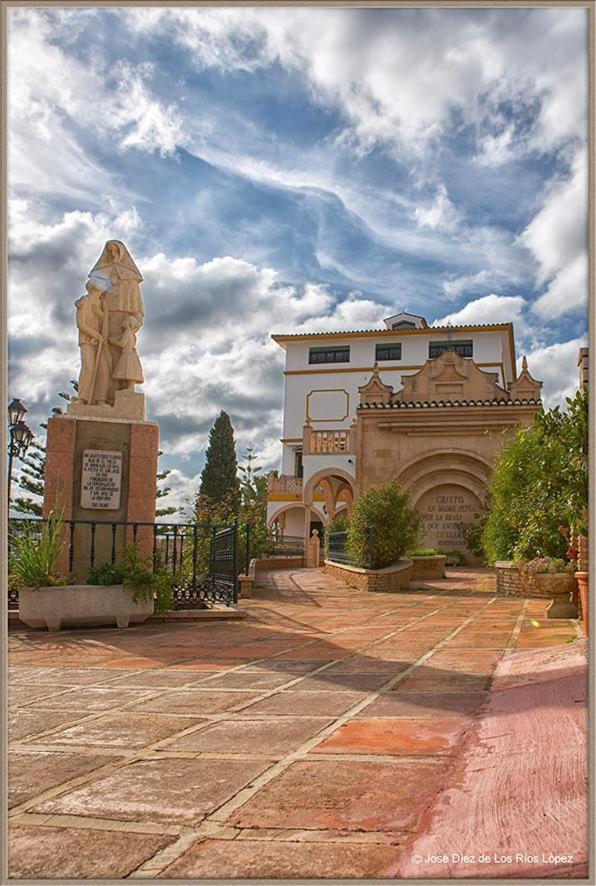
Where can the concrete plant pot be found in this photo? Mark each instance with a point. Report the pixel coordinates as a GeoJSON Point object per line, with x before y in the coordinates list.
{"type": "Point", "coordinates": [72, 606]}
{"type": "Point", "coordinates": [559, 586]}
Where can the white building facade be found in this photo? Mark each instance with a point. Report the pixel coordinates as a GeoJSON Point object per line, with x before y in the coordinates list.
{"type": "Point", "coordinates": [323, 374]}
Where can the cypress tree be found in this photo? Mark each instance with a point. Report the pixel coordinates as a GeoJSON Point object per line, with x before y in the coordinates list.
{"type": "Point", "coordinates": [219, 478]}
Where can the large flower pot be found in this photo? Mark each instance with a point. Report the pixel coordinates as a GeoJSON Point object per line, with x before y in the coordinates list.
{"type": "Point", "coordinates": [81, 605]}
{"type": "Point", "coordinates": [559, 586]}
{"type": "Point", "coordinates": [582, 580]}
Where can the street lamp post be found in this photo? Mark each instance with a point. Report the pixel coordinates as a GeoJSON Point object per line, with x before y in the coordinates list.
{"type": "Point", "coordinates": [20, 437]}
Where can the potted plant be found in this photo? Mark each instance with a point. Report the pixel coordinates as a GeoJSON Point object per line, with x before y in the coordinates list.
{"type": "Point", "coordinates": [551, 577]}
{"type": "Point", "coordinates": [428, 564]}
{"type": "Point", "coordinates": [118, 594]}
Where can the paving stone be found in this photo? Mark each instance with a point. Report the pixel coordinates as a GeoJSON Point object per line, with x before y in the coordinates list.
{"type": "Point", "coordinates": [195, 701]}
{"type": "Point", "coordinates": [161, 677]}
{"type": "Point", "coordinates": [30, 773]}
{"type": "Point", "coordinates": [249, 680]}
{"type": "Point", "coordinates": [263, 737]}
{"type": "Point", "coordinates": [40, 853]}
{"type": "Point", "coordinates": [455, 682]}
{"type": "Point", "coordinates": [423, 737]}
{"type": "Point", "coordinates": [25, 693]}
{"type": "Point", "coordinates": [24, 722]}
{"type": "Point", "coordinates": [363, 664]}
{"type": "Point", "coordinates": [326, 682]}
{"type": "Point", "coordinates": [257, 859]}
{"type": "Point", "coordinates": [303, 704]}
{"type": "Point", "coordinates": [165, 790]}
{"type": "Point", "coordinates": [74, 676]}
{"type": "Point", "coordinates": [89, 699]}
{"type": "Point", "coordinates": [423, 704]}
{"type": "Point", "coordinates": [349, 795]}
{"type": "Point", "coordinates": [121, 731]}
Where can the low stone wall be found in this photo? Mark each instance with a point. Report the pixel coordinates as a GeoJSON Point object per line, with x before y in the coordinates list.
{"type": "Point", "coordinates": [514, 582]}
{"type": "Point", "coordinates": [428, 568]}
{"type": "Point", "coordinates": [509, 581]}
{"type": "Point", "coordinates": [279, 563]}
{"type": "Point", "coordinates": [388, 580]}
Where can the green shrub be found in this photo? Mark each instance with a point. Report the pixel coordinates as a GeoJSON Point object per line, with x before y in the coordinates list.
{"type": "Point", "coordinates": [394, 523]}
{"type": "Point", "coordinates": [33, 556]}
{"type": "Point", "coordinates": [428, 552]}
{"type": "Point", "coordinates": [136, 572]}
{"type": "Point", "coordinates": [454, 555]}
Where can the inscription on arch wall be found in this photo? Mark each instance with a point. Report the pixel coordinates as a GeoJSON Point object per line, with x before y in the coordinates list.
{"type": "Point", "coordinates": [443, 510]}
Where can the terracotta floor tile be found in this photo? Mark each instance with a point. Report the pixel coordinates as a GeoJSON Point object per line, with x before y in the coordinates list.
{"type": "Point", "coordinates": [26, 722]}
{"type": "Point", "coordinates": [256, 859]}
{"type": "Point", "coordinates": [450, 682]}
{"type": "Point", "coordinates": [421, 737]}
{"type": "Point", "coordinates": [243, 736]}
{"type": "Point", "coordinates": [248, 680]}
{"type": "Point", "coordinates": [45, 853]}
{"type": "Point", "coordinates": [89, 699]}
{"type": "Point", "coordinates": [175, 790]}
{"type": "Point", "coordinates": [423, 704]}
{"type": "Point", "coordinates": [195, 701]}
{"type": "Point", "coordinates": [360, 796]}
{"type": "Point", "coordinates": [121, 731]}
{"type": "Point", "coordinates": [32, 773]}
{"type": "Point", "coordinates": [303, 704]}
{"type": "Point", "coordinates": [330, 682]}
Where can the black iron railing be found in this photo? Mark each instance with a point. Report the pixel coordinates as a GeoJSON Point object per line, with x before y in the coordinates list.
{"type": "Point", "coordinates": [337, 549]}
{"type": "Point", "coordinates": [285, 546]}
{"type": "Point", "coordinates": [202, 557]}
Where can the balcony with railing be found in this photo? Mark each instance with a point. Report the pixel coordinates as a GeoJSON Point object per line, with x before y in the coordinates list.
{"type": "Point", "coordinates": [332, 442]}
{"type": "Point", "coordinates": [284, 485]}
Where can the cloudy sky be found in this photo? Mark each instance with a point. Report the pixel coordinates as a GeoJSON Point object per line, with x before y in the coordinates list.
{"type": "Point", "coordinates": [277, 170]}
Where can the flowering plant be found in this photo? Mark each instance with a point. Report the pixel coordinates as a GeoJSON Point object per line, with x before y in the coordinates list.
{"type": "Point", "coordinates": [546, 566]}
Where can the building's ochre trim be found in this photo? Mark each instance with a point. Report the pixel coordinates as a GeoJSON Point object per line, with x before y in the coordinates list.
{"type": "Point", "coordinates": [369, 333]}
{"type": "Point", "coordinates": [290, 440]}
{"type": "Point", "coordinates": [328, 391]}
{"type": "Point", "coordinates": [292, 496]}
{"type": "Point", "coordinates": [418, 366]}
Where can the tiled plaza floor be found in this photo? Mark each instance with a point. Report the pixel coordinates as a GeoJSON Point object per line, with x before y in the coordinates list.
{"type": "Point", "coordinates": [306, 740]}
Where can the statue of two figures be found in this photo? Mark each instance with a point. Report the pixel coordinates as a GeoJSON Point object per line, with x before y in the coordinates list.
{"type": "Point", "coordinates": [108, 318]}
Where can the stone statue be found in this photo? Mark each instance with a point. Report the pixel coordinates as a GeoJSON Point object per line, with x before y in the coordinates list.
{"type": "Point", "coordinates": [108, 319]}
{"type": "Point", "coordinates": [95, 375]}
{"type": "Point", "coordinates": [116, 273]}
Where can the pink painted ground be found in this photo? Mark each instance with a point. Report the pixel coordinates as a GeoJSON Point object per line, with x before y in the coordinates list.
{"type": "Point", "coordinates": [520, 788]}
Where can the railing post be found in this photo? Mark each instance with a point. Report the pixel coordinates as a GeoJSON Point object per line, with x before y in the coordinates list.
{"type": "Point", "coordinates": [235, 558]}
{"type": "Point", "coordinates": [247, 548]}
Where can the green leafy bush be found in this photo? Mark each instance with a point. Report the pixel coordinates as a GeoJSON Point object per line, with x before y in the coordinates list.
{"type": "Point", "coordinates": [34, 554]}
{"type": "Point", "coordinates": [136, 572]}
{"type": "Point", "coordinates": [427, 552]}
{"type": "Point", "coordinates": [540, 483]}
{"type": "Point", "coordinates": [456, 556]}
{"type": "Point", "coordinates": [394, 523]}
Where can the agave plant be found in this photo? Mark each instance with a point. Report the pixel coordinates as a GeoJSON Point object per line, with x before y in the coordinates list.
{"type": "Point", "coordinates": [34, 554]}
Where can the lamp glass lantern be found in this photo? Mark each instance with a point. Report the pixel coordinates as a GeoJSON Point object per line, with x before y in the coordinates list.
{"type": "Point", "coordinates": [16, 412]}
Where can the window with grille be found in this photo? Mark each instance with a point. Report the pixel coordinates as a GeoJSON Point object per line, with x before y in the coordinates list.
{"type": "Point", "coordinates": [388, 352]}
{"type": "Point", "coordinates": [329, 355]}
{"type": "Point", "coordinates": [463, 348]}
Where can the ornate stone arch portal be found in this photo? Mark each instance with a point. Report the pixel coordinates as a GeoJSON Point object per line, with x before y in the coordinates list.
{"type": "Point", "coordinates": [449, 489]}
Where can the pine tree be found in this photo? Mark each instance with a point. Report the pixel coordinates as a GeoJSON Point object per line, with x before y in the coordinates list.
{"type": "Point", "coordinates": [163, 491]}
{"type": "Point", "coordinates": [219, 476]}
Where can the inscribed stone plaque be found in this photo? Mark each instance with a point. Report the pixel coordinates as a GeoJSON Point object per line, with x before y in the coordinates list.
{"type": "Point", "coordinates": [101, 479]}
{"type": "Point", "coordinates": [445, 510]}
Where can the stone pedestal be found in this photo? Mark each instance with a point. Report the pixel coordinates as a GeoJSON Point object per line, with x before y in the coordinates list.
{"type": "Point", "coordinates": [101, 469]}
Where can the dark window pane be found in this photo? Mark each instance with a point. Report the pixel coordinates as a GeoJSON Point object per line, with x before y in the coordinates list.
{"type": "Point", "coordinates": [329, 355]}
{"type": "Point", "coordinates": [388, 352]}
{"type": "Point", "coordinates": [463, 348]}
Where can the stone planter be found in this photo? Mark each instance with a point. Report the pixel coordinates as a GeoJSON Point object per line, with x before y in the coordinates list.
{"type": "Point", "coordinates": [582, 580]}
{"type": "Point", "coordinates": [428, 568]}
{"type": "Point", "coordinates": [560, 587]}
{"type": "Point", "coordinates": [389, 580]}
{"type": "Point", "coordinates": [81, 606]}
